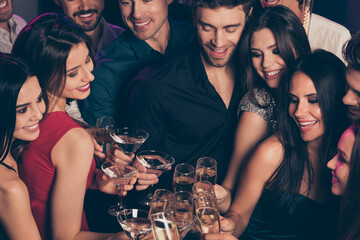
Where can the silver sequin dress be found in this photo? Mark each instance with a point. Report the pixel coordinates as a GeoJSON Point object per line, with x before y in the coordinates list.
{"type": "Point", "coordinates": [264, 98]}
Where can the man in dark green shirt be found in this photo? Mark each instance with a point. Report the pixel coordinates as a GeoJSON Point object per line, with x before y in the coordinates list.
{"type": "Point", "coordinates": [151, 37]}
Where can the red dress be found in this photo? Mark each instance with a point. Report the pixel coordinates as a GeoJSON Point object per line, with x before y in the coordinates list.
{"type": "Point", "coordinates": [38, 171]}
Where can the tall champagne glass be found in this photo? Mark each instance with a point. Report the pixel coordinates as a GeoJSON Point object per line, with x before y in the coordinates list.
{"type": "Point", "coordinates": [208, 214]}
{"type": "Point", "coordinates": [164, 227]}
{"type": "Point", "coordinates": [156, 162]}
{"type": "Point", "coordinates": [184, 175]}
{"type": "Point", "coordinates": [129, 139]}
{"type": "Point", "coordinates": [120, 176]}
{"type": "Point", "coordinates": [135, 222]}
{"type": "Point", "coordinates": [183, 211]}
{"type": "Point", "coordinates": [206, 170]}
{"type": "Point", "coordinates": [104, 126]}
{"type": "Point", "coordinates": [162, 201]}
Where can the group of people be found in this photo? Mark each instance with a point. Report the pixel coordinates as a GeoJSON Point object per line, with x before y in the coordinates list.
{"type": "Point", "coordinates": [252, 91]}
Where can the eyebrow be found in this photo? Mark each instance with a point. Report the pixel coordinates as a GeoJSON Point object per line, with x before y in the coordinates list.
{"type": "Point", "coordinates": [227, 26]}
{"type": "Point", "coordinates": [71, 69]}
{"type": "Point", "coordinates": [270, 47]}
{"type": "Point", "coordinates": [27, 104]}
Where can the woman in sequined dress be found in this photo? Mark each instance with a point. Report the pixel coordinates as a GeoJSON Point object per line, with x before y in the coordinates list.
{"type": "Point", "coordinates": [273, 39]}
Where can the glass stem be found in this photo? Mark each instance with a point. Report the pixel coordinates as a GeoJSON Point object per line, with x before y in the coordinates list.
{"type": "Point", "coordinates": [120, 189]}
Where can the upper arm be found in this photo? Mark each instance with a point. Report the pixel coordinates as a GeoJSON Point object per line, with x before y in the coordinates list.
{"type": "Point", "coordinates": [15, 211]}
{"type": "Point", "coordinates": [72, 157]}
{"type": "Point", "coordinates": [261, 166]}
{"type": "Point", "coordinates": [251, 129]}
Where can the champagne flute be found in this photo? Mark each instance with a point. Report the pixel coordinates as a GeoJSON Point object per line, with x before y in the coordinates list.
{"type": "Point", "coordinates": [203, 188]}
{"type": "Point", "coordinates": [183, 177]}
{"type": "Point", "coordinates": [120, 176]}
{"type": "Point", "coordinates": [156, 162]}
{"type": "Point", "coordinates": [208, 214]}
{"type": "Point", "coordinates": [129, 139]}
{"type": "Point", "coordinates": [183, 211]}
{"type": "Point", "coordinates": [162, 201]}
{"type": "Point", "coordinates": [135, 222]}
{"type": "Point", "coordinates": [164, 227]}
{"type": "Point", "coordinates": [104, 126]}
{"type": "Point", "coordinates": [206, 170]}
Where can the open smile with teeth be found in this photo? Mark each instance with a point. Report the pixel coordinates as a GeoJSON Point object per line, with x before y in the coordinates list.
{"type": "Point", "coordinates": [86, 15]}
{"type": "Point", "coordinates": [84, 88]}
{"type": "Point", "coordinates": [3, 4]}
{"type": "Point", "coordinates": [272, 73]}
{"type": "Point", "coordinates": [305, 126]}
{"type": "Point", "coordinates": [140, 24]}
{"type": "Point", "coordinates": [32, 127]}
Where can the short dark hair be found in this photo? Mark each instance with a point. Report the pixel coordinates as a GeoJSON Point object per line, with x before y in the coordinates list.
{"type": "Point", "coordinates": [13, 74]}
{"type": "Point", "coordinates": [44, 45]}
{"type": "Point", "coordinates": [351, 52]}
{"type": "Point", "coordinates": [213, 4]}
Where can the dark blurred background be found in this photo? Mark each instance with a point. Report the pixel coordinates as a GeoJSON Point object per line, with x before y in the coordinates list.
{"type": "Point", "coordinates": [345, 12]}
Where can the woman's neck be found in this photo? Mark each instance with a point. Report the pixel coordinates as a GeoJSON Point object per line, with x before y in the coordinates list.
{"type": "Point", "coordinates": [57, 103]}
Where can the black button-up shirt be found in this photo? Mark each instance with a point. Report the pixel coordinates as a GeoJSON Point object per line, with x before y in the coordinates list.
{"type": "Point", "coordinates": [183, 113]}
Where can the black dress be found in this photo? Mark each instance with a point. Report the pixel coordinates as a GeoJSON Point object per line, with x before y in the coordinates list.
{"type": "Point", "coordinates": [309, 220]}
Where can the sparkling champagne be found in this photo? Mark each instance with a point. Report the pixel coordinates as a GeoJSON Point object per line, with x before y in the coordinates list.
{"type": "Point", "coordinates": [204, 174]}
{"type": "Point", "coordinates": [209, 219]}
{"type": "Point", "coordinates": [164, 229]}
{"type": "Point", "coordinates": [183, 184]}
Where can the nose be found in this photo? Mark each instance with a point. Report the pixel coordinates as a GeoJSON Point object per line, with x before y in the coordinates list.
{"type": "Point", "coordinates": [84, 5]}
{"type": "Point", "coordinates": [332, 163]}
{"type": "Point", "coordinates": [38, 110]}
{"type": "Point", "coordinates": [137, 10]}
{"type": "Point", "coordinates": [267, 60]}
{"type": "Point", "coordinates": [218, 38]}
{"type": "Point", "coordinates": [350, 98]}
{"type": "Point", "coordinates": [301, 109]}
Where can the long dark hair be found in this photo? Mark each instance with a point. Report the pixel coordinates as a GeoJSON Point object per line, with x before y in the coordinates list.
{"type": "Point", "coordinates": [13, 74]}
{"type": "Point", "coordinates": [328, 75]}
{"type": "Point", "coordinates": [351, 52]}
{"type": "Point", "coordinates": [44, 44]}
{"type": "Point", "coordinates": [289, 35]}
{"type": "Point", "coordinates": [349, 215]}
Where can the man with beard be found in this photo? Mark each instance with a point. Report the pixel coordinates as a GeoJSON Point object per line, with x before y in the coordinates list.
{"type": "Point", "coordinates": [88, 14]}
{"type": "Point", "coordinates": [10, 25]}
{"type": "Point", "coordinates": [189, 105]}
{"type": "Point", "coordinates": [150, 38]}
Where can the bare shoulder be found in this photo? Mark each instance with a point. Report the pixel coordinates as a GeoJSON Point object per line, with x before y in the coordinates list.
{"type": "Point", "coordinates": [75, 144]}
{"type": "Point", "coordinates": [12, 190]}
{"type": "Point", "coordinates": [269, 153]}
{"type": "Point", "coordinates": [77, 139]}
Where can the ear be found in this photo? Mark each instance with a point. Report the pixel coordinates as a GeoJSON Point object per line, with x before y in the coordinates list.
{"type": "Point", "coordinates": [57, 2]}
{"type": "Point", "coordinates": [250, 12]}
{"type": "Point", "coordinates": [169, 2]}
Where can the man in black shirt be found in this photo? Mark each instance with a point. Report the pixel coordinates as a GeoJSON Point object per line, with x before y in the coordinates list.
{"type": "Point", "coordinates": [189, 105]}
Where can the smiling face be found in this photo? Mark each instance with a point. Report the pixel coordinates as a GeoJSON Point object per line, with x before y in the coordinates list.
{"type": "Point", "coordinates": [78, 73]}
{"type": "Point", "coordinates": [85, 13]}
{"type": "Point", "coordinates": [6, 10]}
{"type": "Point", "coordinates": [30, 107]}
{"type": "Point", "coordinates": [219, 34]}
{"type": "Point", "coordinates": [352, 96]}
{"type": "Point", "coordinates": [146, 19]}
{"type": "Point", "coordinates": [265, 57]}
{"type": "Point", "coordinates": [340, 164]}
{"type": "Point", "coordinates": [304, 107]}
